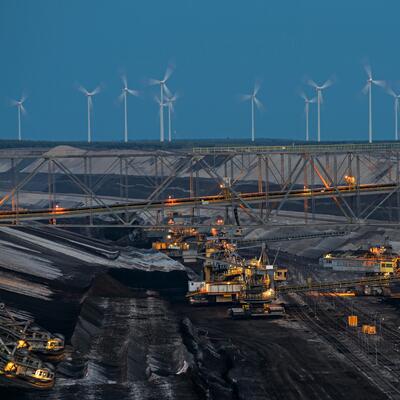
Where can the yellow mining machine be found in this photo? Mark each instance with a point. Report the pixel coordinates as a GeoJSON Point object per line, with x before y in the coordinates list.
{"type": "Point", "coordinates": [258, 296]}
{"type": "Point", "coordinates": [30, 336]}
{"type": "Point", "coordinates": [21, 369]}
{"type": "Point", "coordinates": [231, 278]}
{"type": "Point", "coordinates": [374, 260]}
{"type": "Point", "coordinates": [22, 341]}
{"type": "Point", "coordinates": [186, 242]}
{"type": "Point", "coordinates": [179, 241]}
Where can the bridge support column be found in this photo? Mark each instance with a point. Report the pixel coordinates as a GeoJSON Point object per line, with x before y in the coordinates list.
{"type": "Point", "coordinates": [358, 182]}
{"type": "Point", "coordinates": [305, 187]}
{"type": "Point", "coordinates": [312, 166]}
{"type": "Point", "coordinates": [398, 186]}
{"type": "Point", "coordinates": [15, 184]}
{"type": "Point", "coordinates": [267, 205]}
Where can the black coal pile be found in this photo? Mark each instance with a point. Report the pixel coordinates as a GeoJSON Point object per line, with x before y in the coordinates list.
{"type": "Point", "coordinates": [129, 338]}
{"type": "Point", "coordinates": [130, 344]}
{"type": "Point", "coordinates": [125, 340]}
{"type": "Point", "coordinates": [47, 272]}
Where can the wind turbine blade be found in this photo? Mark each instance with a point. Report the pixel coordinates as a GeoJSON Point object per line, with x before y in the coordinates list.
{"type": "Point", "coordinates": [379, 83]}
{"type": "Point", "coordinates": [312, 83]}
{"type": "Point", "coordinates": [23, 110]}
{"type": "Point", "coordinates": [328, 83]}
{"type": "Point", "coordinates": [257, 86]}
{"type": "Point", "coordinates": [133, 92]}
{"type": "Point", "coordinates": [391, 92]}
{"type": "Point", "coordinates": [121, 97]}
{"type": "Point", "coordinates": [368, 70]}
{"type": "Point", "coordinates": [258, 103]}
{"type": "Point", "coordinates": [96, 91]}
{"type": "Point", "coordinates": [13, 102]}
{"type": "Point", "coordinates": [313, 100]}
{"type": "Point", "coordinates": [168, 73]}
{"type": "Point", "coordinates": [153, 82]}
{"type": "Point", "coordinates": [174, 98]}
{"type": "Point", "coordinates": [245, 97]}
{"type": "Point", "coordinates": [167, 91]}
{"type": "Point", "coordinates": [83, 90]}
{"type": "Point", "coordinates": [304, 97]}
{"type": "Point", "coordinates": [365, 88]}
{"type": "Point", "coordinates": [124, 80]}
{"type": "Point", "coordinates": [157, 100]}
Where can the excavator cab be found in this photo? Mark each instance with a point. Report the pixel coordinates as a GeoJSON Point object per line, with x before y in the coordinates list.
{"type": "Point", "coordinates": [280, 274]}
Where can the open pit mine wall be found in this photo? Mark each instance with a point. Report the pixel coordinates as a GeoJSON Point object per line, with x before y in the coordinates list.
{"type": "Point", "coordinates": [48, 272]}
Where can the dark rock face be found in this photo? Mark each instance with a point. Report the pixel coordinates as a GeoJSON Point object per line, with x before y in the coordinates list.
{"type": "Point", "coordinates": [137, 347]}
{"type": "Point", "coordinates": [47, 272]}
{"type": "Point", "coordinates": [132, 342]}
{"type": "Point", "coordinates": [210, 366]}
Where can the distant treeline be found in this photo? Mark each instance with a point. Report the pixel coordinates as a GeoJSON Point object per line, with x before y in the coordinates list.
{"type": "Point", "coordinates": [152, 144]}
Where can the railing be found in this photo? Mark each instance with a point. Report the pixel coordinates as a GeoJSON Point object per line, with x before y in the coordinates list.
{"type": "Point", "coordinates": [321, 286]}
{"type": "Point", "coordinates": [323, 148]}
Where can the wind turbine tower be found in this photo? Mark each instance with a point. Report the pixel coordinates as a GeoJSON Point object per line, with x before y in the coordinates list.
{"type": "Point", "coordinates": [124, 97]}
{"type": "Point", "coordinates": [368, 89]}
{"type": "Point", "coordinates": [307, 103]}
{"type": "Point", "coordinates": [170, 104]}
{"type": "Point", "coordinates": [319, 89]}
{"type": "Point", "coordinates": [255, 103]}
{"type": "Point", "coordinates": [89, 96]}
{"type": "Point", "coordinates": [20, 110]}
{"type": "Point", "coordinates": [396, 98]}
{"type": "Point", "coordinates": [164, 92]}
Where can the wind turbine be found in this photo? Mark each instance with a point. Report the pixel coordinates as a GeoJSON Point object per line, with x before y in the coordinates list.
{"type": "Point", "coordinates": [396, 110]}
{"type": "Point", "coordinates": [21, 110]}
{"type": "Point", "coordinates": [254, 103]}
{"type": "Point", "coordinates": [124, 97]}
{"type": "Point", "coordinates": [307, 102]}
{"type": "Point", "coordinates": [164, 91]}
{"type": "Point", "coordinates": [319, 89]}
{"type": "Point", "coordinates": [89, 96]}
{"type": "Point", "coordinates": [170, 104]}
{"type": "Point", "coordinates": [368, 89]}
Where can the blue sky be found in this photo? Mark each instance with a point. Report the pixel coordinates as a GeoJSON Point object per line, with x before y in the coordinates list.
{"type": "Point", "coordinates": [48, 47]}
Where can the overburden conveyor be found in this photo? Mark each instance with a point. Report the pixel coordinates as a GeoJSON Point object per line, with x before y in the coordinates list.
{"type": "Point", "coordinates": [204, 201]}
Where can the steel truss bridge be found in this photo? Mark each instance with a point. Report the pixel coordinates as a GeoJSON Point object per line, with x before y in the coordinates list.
{"type": "Point", "coordinates": [350, 183]}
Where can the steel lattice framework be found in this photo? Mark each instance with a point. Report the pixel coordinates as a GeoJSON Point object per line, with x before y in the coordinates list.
{"type": "Point", "coordinates": [353, 183]}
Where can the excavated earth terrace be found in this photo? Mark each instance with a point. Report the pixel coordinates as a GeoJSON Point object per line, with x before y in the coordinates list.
{"type": "Point", "coordinates": [132, 335]}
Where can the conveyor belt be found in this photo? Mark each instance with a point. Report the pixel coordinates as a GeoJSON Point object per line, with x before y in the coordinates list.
{"type": "Point", "coordinates": [321, 286]}
{"type": "Point", "coordinates": [204, 201]}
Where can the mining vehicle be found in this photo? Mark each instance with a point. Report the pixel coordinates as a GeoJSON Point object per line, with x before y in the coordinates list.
{"type": "Point", "coordinates": [183, 241]}
{"type": "Point", "coordinates": [374, 260]}
{"type": "Point", "coordinates": [260, 309]}
{"type": "Point", "coordinates": [227, 275]}
{"type": "Point", "coordinates": [30, 336]}
{"type": "Point", "coordinates": [222, 273]}
{"type": "Point", "coordinates": [21, 369]}
{"type": "Point", "coordinates": [258, 295]}
{"type": "Point", "coordinates": [179, 242]}
{"type": "Point", "coordinates": [255, 303]}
